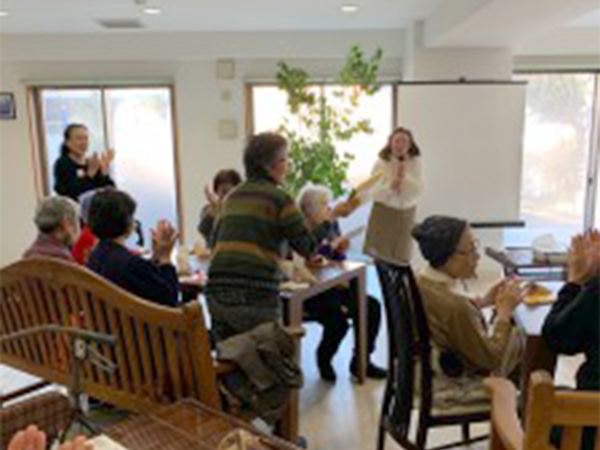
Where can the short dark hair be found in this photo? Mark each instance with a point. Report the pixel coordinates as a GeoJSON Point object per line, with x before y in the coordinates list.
{"type": "Point", "coordinates": [438, 238]}
{"type": "Point", "coordinates": [227, 176]}
{"type": "Point", "coordinates": [111, 213]}
{"type": "Point", "coordinates": [261, 152]}
{"type": "Point", "coordinates": [413, 151]}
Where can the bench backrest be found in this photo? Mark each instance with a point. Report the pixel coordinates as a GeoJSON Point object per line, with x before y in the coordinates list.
{"type": "Point", "coordinates": [162, 354]}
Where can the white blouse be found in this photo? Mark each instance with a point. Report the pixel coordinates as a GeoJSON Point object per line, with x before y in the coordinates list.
{"type": "Point", "coordinates": [410, 191]}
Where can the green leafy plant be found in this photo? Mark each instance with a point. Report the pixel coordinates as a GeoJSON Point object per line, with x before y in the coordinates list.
{"type": "Point", "coordinates": [319, 122]}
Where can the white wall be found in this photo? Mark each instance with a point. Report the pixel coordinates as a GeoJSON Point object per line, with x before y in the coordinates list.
{"type": "Point", "coordinates": [32, 59]}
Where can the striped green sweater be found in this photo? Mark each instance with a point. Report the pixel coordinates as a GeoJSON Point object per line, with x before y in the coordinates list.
{"type": "Point", "coordinates": [257, 219]}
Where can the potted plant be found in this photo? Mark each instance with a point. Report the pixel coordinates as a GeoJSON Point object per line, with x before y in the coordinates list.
{"type": "Point", "coordinates": [318, 122]}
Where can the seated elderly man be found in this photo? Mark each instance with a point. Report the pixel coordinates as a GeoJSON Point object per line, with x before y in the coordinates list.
{"type": "Point", "coordinates": [112, 222]}
{"type": "Point", "coordinates": [465, 349]}
{"type": "Point", "coordinates": [333, 308]}
{"type": "Point", "coordinates": [57, 221]}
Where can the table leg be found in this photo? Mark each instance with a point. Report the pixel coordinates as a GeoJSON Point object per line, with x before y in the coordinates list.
{"type": "Point", "coordinates": [290, 421]}
{"type": "Point", "coordinates": [538, 356]}
{"type": "Point", "coordinates": [360, 328]}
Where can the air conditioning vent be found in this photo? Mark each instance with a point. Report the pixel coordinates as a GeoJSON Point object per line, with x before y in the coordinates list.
{"type": "Point", "coordinates": [121, 24]}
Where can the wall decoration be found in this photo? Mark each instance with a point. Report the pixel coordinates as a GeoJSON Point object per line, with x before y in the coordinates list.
{"type": "Point", "coordinates": [8, 109]}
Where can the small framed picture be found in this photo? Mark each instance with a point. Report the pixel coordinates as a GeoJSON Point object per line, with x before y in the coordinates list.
{"type": "Point", "coordinates": [8, 109]}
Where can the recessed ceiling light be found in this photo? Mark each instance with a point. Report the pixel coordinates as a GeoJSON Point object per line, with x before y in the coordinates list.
{"type": "Point", "coordinates": [3, 13]}
{"type": "Point", "coordinates": [349, 9]}
{"type": "Point", "coordinates": [152, 11]}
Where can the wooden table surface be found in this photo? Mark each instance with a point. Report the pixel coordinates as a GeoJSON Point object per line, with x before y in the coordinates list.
{"type": "Point", "coordinates": [186, 425]}
{"type": "Point", "coordinates": [333, 274]}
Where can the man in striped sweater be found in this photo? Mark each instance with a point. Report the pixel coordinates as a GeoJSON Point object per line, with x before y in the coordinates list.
{"type": "Point", "coordinates": [256, 220]}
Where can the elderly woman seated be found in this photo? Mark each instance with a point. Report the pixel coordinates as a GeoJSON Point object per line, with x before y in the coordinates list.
{"type": "Point", "coordinates": [57, 221]}
{"type": "Point", "coordinates": [112, 221]}
{"type": "Point", "coordinates": [333, 308]}
{"type": "Point", "coordinates": [465, 348]}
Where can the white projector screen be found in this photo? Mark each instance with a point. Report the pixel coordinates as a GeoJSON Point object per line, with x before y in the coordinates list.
{"type": "Point", "coordinates": [471, 138]}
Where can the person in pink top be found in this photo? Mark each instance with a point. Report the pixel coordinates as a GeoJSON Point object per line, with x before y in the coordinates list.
{"type": "Point", "coordinates": [57, 221]}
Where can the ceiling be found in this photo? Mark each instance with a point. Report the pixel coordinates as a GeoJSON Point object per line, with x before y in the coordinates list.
{"type": "Point", "coordinates": [591, 19]}
{"type": "Point", "coordinates": [79, 16]}
{"type": "Point", "coordinates": [528, 26]}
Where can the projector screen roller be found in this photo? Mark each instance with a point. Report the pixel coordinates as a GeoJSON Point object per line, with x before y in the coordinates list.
{"type": "Point", "coordinates": [471, 138]}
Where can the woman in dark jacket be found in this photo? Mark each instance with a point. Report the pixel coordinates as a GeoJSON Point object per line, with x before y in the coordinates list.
{"type": "Point", "coordinates": [112, 221]}
{"type": "Point", "coordinates": [573, 323]}
{"type": "Point", "coordinates": [74, 174]}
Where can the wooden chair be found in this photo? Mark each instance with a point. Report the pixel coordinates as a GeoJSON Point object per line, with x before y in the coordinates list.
{"type": "Point", "coordinates": [410, 367]}
{"type": "Point", "coordinates": [571, 410]}
{"type": "Point", "coordinates": [162, 354]}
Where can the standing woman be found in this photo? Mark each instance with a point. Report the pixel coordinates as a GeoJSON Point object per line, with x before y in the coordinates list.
{"type": "Point", "coordinates": [75, 174]}
{"type": "Point", "coordinates": [396, 196]}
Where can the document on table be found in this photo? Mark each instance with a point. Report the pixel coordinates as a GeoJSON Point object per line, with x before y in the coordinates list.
{"type": "Point", "coordinates": [103, 442]}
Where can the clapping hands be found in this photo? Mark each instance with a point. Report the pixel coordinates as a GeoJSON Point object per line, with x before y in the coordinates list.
{"type": "Point", "coordinates": [211, 197]}
{"type": "Point", "coordinates": [509, 294]}
{"type": "Point", "coordinates": [93, 165]}
{"type": "Point", "coordinates": [584, 257]}
{"type": "Point", "coordinates": [164, 237]}
{"type": "Point", "coordinates": [398, 175]}
{"type": "Point", "coordinates": [100, 163]}
{"type": "Point", "coordinates": [106, 159]}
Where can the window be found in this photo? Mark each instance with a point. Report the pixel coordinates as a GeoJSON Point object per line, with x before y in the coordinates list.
{"type": "Point", "coordinates": [270, 109]}
{"type": "Point", "coordinates": [558, 152]}
{"type": "Point", "coordinates": [137, 122]}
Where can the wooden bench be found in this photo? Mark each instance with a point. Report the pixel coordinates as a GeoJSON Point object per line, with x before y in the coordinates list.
{"type": "Point", "coordinates": [162, 354]}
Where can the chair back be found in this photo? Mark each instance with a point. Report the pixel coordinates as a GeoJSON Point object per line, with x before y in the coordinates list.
{"type": "Point", "coordinates": [547, 409]}
{"type": "Point", "coordinates": [162, 354]}
{"type": "Point", "coordinates": [409, 348]}
{"type": "Point", "coordinates": [569, 410]}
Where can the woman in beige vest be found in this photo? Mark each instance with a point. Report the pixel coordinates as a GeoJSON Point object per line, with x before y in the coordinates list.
{"type": "Point", "coordinates": [395, 198]}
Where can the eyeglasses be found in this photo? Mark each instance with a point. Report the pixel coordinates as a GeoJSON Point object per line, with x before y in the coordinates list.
{"type": "Point", "coordinates": [473, 249]}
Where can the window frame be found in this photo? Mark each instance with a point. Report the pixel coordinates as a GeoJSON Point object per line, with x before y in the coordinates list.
{"type": "Point", "coordinates": [593, 158]}
{"type": "Point", "coordinates": [38, 134]}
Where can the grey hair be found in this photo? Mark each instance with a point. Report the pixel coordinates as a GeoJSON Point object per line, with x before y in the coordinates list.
{"type": "Point", "coordinates": [51, 212]}
{"type": "Point", "coordinates": [309, 197]}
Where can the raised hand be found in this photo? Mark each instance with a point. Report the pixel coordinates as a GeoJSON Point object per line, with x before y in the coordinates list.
{"type": "Point", "coordinates": [211, 197]}
{"type": "Point", "coordinates": [583, 261]}
{"type": "Point", "coordinates": [29, 439]}
{"type": "Point", "coordinates": [34, 439]}
{"type": "Point", "coordinates": [164, 237]}
{"type": "Point", "coordinates": [93, 165]}
{"type": "Point", "coordinates": [508, 298]}
{"type": "Point", "coordinates": [489, 298]}
{"type": "Point", "coordinates": [345, 208]}
{"type": "Point", "coordinates": [106, 159]}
